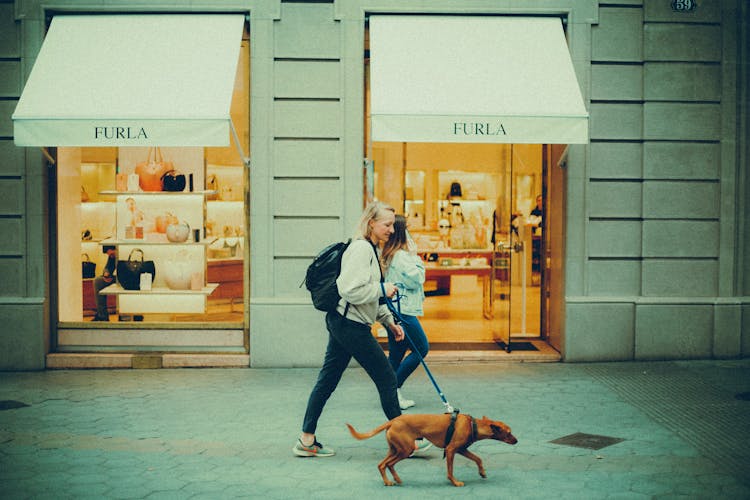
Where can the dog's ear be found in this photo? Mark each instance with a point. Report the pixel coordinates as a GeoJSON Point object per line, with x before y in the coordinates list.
{"type": "Point", "coordinates": [502, 433]}
{"type": "Point", "coordinates": [497, 429]}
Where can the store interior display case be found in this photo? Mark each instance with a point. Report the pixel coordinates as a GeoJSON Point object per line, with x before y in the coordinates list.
{"type": "Point", "coordinates": [179, 285]}
{"type": "Point", "coordinates": [214, 212]}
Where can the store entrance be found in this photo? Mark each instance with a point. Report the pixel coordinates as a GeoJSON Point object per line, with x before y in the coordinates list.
{"type": "Point", "coordinates": [463, 115]}
{"type": "Point", "coordinates": [477, 215]}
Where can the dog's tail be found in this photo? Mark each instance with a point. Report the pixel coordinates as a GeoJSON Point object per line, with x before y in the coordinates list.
{"type": "Point", "coordinates": [367, 435]}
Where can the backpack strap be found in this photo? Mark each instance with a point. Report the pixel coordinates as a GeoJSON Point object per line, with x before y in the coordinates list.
{"type": "Point", "coordinates": [377, 259]}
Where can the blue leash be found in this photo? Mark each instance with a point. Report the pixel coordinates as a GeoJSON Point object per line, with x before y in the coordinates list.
{"type": "Point", "coordinates": [400, 320]}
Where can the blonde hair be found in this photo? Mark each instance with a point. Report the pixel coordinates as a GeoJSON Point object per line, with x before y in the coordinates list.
{"type": "Point", "coordinates": [375, 210]}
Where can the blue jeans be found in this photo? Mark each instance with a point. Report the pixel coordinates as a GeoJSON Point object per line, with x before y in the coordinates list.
{"type": "Point", "coordinates": [347, 339]}
{"type": "Point", "coordinates": [396, 350]}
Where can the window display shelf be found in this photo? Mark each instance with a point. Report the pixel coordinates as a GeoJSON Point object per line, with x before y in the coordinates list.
{"type": "Point", "coordinates": [132, 219]}
{"type": "Point", "coordinates": [148, 214]}
{"type": "Point", "coordinates": [116, 289]}
{"type": "Point", "coordinates": [160, 300]}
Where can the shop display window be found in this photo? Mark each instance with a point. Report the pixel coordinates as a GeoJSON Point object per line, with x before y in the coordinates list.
{"type": "Point", "coordinates": [195, 237]}
{"type": "Point", "coordinates": [190, 223]}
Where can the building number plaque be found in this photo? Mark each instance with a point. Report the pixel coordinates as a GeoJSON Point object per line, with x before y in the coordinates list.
{"type": "Point", "coordinates": [683, 5]}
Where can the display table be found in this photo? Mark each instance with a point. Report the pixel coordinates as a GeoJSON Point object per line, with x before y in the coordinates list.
{"type": "Point", "coordinates": [453, 256]}
{"type": "Point", "coordinates": [437, 272]}
{"type": "Point", "coordinates": [229, 274]}
{"type": "Point", "coordinates": [159, 299]}
{"type": "Point", "coordinates": [89, 298]}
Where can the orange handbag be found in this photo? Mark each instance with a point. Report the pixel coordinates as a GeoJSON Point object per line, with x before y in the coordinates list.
{"type": "Point", "coordinates": [151, 171]}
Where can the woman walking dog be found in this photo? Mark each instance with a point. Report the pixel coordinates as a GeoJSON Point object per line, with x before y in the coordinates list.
{"type": "Point", "coordinates": [349, 327]}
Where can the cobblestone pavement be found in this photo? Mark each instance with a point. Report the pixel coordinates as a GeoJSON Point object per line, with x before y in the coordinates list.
{"type": "Point", "coordinates": [227, 433]}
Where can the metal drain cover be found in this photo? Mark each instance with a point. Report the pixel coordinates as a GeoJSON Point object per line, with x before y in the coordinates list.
{"type": "Point", "coordinates": [589, 441]}
{"type": "Point", "coordinates": [9, 404]}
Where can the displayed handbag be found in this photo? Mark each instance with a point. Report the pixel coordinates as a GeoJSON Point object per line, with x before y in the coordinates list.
{"type": "Point", "coordinates": [178, 232]}
{"type": "Point", "coordinates": [173, 181]}
{"type": "Point", "coordinates": [178, 273]}
{"type": "Point", "coordinates": [88, 268]}
{"type": "Point", "coordinates": [455, 190]}
{"type": "Point", "coordinates": [151, 171]}
{"type": "Point", "coordinates": [129, 271]}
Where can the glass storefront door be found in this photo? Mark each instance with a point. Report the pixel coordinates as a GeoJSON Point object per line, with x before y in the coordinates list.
{"type": "Point", "coordinates": [520, 247]}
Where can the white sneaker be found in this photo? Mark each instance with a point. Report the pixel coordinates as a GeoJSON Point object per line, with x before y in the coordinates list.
{"type": "Point", "coordinates": [420, 446]}
{"type": "Point", "coordinates": [404, 403]}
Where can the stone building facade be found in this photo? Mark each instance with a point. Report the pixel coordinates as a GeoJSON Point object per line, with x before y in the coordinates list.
{"type": "Point", "coordinates": [656, 235]}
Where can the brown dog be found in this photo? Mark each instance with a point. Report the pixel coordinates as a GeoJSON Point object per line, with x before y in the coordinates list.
{"type": "Point", "coordinates": [403, 430]}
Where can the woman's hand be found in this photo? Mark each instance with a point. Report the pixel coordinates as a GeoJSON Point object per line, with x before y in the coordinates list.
{"type": "Point", "coordinates": [398, 332]}
{"type": "Point", "coordinates": [390, 289]}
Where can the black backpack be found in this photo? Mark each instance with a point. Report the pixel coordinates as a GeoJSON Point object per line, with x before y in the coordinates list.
{"type": "Point", "coordinates": [321, 275]}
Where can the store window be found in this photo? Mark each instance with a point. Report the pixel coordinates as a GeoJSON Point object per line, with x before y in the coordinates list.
{"type": "Point", "coordinates": [186, 213]}
{"type": "Point", "coordinates": [160, 226]}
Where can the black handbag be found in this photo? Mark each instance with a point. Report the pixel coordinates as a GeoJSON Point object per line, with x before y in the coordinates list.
{"type": "Point", "coordinates": [129, 271]}
{"type": "Point", "coordinates": [88, 268]}
{"type": "Point", "coordinates": [173, 181]}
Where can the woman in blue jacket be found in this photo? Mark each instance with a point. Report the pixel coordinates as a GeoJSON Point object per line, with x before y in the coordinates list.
{"type": "Point", "coordinates": [405, 269]}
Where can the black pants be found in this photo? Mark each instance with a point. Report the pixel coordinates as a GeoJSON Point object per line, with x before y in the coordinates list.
{"type": "Point", "coordinates": [347, 339]}
{"type": "Point", "coordinates": [102, 311]}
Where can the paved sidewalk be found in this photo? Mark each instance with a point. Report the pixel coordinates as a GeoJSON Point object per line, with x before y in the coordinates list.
{"type": "Point", "coordinates": [228, 433]}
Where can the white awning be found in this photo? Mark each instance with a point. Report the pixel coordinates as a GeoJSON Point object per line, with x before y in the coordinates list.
{"type": "Point", "coordinates": [132, 80]}
{"type": "Point", "coordinates": [473, 79]}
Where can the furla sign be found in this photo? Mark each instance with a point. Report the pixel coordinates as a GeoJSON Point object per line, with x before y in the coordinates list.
{"type": "Point", "coordinates": [476, 128]}
{"type": "Point", "coordinates": [124, 133]}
